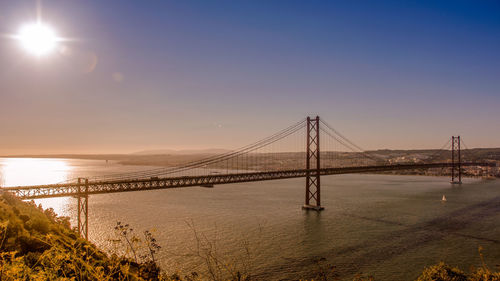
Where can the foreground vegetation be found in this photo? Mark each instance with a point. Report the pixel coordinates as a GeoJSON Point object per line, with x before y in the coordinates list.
{"type": "Point", "coordinates": [35, 244]}
{"type": "Point", "coordinates": [444, 272]}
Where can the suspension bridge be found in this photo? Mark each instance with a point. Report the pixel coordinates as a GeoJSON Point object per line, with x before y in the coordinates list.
{"type": "Point", "coordinates": [279, 156]}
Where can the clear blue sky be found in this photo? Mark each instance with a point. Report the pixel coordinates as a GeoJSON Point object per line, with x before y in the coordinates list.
{"type": "Point", "coordinates": [195, 74]}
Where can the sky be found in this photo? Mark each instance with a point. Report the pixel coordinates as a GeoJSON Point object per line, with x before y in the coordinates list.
{"type": "Point", "coordinates": [136, 75]}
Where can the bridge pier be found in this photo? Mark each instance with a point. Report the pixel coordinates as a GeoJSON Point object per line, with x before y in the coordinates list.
{"type": "Point", "coordinates": [313, 180]}
{"type": "Point", "coordinates": [83, 208]}
{"type": "Point", "coordinates": [456, 161]}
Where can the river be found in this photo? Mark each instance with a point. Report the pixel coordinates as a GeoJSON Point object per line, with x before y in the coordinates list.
{"type": "Point", "coordinates": [387, 226]}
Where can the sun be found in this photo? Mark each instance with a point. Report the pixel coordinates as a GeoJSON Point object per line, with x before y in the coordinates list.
{"type": "Point", "coordinates": [37, 38]}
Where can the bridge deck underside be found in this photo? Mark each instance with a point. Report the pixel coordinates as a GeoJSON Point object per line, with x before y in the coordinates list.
{"type": "Point", "coordinates": [71, 189]}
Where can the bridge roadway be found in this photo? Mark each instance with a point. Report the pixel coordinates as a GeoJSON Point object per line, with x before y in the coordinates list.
{"type": "Point", "coordinates": [113, 186]}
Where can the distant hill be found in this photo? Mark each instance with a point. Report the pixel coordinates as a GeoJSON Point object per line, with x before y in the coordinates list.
{"type": "Point", "coordinates": [181, 152]}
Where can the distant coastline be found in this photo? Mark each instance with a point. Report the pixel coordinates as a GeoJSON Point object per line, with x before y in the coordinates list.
{"type": "Point", "coordinates": [295, 160]}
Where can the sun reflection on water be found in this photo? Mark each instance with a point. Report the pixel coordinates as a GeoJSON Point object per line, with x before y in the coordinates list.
{"type": "Point", "coordinates": [35, 171]}
{"type": "Point", "coordinates": [32, 171]}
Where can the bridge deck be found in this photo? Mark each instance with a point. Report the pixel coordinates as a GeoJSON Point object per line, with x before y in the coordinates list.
{"type": "Point", "coordinates": [99, 187]}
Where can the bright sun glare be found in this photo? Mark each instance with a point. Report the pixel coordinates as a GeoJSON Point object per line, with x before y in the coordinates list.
{"type": "Point", "coordinates": [38, 38]}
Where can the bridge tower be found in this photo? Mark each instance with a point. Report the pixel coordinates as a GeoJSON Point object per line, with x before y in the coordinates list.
{"type": "Point", "coordinates": [456, 161]}
{"type": "Point", "coordinates": [313, 183]}
{"type": "Point", "coordinates": [83, 207]}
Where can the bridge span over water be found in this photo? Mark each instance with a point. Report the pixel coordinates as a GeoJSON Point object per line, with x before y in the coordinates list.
{"type": "Point", "coordinates": [264, 160]}
{"type": "Point", "coordinates": [114, 186]}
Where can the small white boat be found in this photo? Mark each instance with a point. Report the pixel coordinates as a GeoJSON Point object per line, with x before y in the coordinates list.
{"type": "Point", "coordinates": [444, 198]}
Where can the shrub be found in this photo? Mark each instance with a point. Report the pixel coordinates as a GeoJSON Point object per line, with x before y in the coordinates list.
{"type": "Point", "coordinates": [442, 272]}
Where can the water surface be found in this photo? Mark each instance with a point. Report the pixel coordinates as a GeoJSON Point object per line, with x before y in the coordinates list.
{"type": "Point", "coordinates": [387, 226]}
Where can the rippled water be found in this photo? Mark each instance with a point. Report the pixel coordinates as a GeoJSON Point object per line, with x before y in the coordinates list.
{"type": "Point", "coordinates": [390, 227]}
